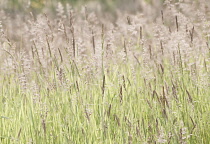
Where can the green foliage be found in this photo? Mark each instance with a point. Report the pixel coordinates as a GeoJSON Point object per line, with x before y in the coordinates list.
{"type": "Point", "coordinates": [128, 111]}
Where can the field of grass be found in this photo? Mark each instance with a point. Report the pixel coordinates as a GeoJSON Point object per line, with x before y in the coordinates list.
{"type": "Point", "coordinates": [79, 77]}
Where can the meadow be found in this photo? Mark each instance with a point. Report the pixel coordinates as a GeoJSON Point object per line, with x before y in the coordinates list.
{"type": "Point", "coordinates": [81, 75]}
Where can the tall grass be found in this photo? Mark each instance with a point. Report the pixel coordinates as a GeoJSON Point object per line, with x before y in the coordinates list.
{"type": "Point", "coordinates": [80, 78]}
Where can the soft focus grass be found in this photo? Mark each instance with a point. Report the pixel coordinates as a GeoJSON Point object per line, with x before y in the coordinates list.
{"type": "Point", "coordinates": [129, 111]}
{"type": "Point", "coordinates": [77, 79]}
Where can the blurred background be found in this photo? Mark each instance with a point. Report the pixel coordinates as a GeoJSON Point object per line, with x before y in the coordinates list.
{"type": "Point", "coordinates": [37, 6]}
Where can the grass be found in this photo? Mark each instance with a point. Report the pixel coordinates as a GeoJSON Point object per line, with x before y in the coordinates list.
{"type": "Point", "coordinates": [71, 80]}
{"type": "Point", "coordinates": [129, 111]}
